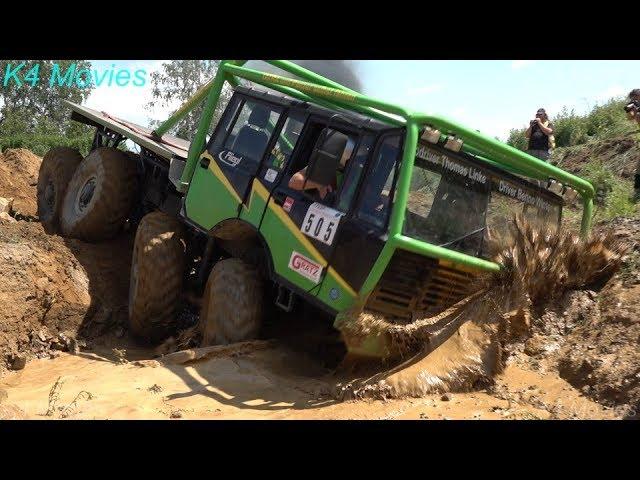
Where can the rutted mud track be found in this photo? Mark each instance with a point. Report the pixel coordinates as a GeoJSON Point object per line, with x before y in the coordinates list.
{"type": "Point", "coordinates": [63, 308]}
{"type": "Point", "coordinates": [261, 382]}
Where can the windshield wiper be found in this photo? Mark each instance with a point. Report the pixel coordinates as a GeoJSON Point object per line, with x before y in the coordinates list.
{"type": "Point", "coordinates": [462, 238]}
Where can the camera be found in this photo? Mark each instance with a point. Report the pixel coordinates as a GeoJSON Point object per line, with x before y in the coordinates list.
{"type": "Point", "coordinates": [632, 106]}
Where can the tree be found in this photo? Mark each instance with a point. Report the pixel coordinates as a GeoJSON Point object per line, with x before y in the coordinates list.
{"type": "Point", "coordinates": [180, 79]}
{"type": "Point", "coordinates": [32, 101]}
{"type": "Point", "coordinates": [177, 82]}
{"type": "Point", "coordinates": [32, 114]}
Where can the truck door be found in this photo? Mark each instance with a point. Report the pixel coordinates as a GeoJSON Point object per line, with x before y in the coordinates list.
{"type": "Point", "coordinates": [226, 169]}
{"type": "Point", "coordinates": [273, 167]}
{"type": "Point", "coordinates": [363, 230]}
{"type": "Point", "coordinates": [300, 223]}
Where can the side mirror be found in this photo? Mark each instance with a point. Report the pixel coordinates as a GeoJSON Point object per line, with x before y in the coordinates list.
{"type": "Point", "coordinates": [326, 155]}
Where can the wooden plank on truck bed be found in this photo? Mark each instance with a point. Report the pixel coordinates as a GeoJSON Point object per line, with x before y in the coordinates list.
{"type": "Point", "coordinates": [169, 147]}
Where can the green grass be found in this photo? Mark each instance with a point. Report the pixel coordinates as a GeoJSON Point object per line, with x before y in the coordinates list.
{"type": "Point", "coordinates": [614, 196]}
{"type": "Point", "coordinates": [619, 201]}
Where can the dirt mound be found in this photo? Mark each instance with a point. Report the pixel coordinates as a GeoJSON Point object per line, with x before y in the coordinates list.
{"type": "Point", "coordinates": [19, 178]}
{"type": "Point", "coordinates": [600, 355]}
{"type": "Point", "coordinates": [54, 289]}
{"type": "Point", "coordinates": [539, 267]}
{"type": "Point", "coordinates": [45, 290]}
{"type": "Point", "coordinates": [621, 154]}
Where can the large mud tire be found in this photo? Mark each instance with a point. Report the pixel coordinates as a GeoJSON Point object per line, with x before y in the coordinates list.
{"type": "Point", "coordinates": [157, 270]}
{"type": "Point", "coordinates": [100, 195]}
{"type": "Point", "coordinates": [56, 170]}
{"type": "Point", "coordinates": [232, 303]}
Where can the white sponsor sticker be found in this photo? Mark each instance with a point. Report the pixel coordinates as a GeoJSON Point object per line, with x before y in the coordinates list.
{"type": "Point", "coordinates": [227, 156]}
{"type": "Point", "coordinates": [271, 175]}
{"type": "Point", "coordinates": [321, 223]}
{"type": "Point", "coordinates": [305, 267]}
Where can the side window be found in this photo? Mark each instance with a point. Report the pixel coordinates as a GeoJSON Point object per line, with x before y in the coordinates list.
{"type": "Point", "coordinates": [244, 136]}
{"type": "Point", "coordinates": [322, 163]}
{"type": "Point", "coordinates": [352, 178]}
{"type": "Point", "coordinates": [252, 130]}
{"type": "Point", "coordinates": [225, 124]}
{"type": "Point", "coordinates": [377, 197]}
{"type": "Point", "coordinates": [284, 145]}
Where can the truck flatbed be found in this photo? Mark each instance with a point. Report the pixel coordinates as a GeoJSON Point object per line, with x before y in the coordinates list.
{"type": "Point", "coordinates": [166, 148]}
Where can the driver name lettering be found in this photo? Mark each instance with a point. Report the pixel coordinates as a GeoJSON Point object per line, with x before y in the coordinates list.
{"type": "Point", "coordinates": [523, 196]}
{"type": "Point", "coordinates": [469, 172]}
{"type": "Point", "coordinates": [429, 156]}
{"type": "Point", "coordinates": [455, 167]}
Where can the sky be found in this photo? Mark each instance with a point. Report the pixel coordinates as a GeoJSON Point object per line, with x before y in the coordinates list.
{"type": "Point", "coordinates": [492, 96]}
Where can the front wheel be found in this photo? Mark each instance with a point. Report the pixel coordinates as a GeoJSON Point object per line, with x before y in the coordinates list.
{"type": "Point", "coordinates": [157, 271]}
{"type": "Point", "coordinates": [232, 303]}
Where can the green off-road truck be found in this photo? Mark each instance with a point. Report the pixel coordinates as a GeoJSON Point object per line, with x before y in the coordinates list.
{"type": "Point", "coordinates": [303, 190]}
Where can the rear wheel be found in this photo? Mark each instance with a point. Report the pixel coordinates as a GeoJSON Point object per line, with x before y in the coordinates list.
{"type": "Point", "coordinates": [157, 270]}
{"type": "Point", "coordinates": [56, 171]}
{"type": "Point", "coordinates": [232, 303]}
{"type": "Point", "coordinates": [100, 195]}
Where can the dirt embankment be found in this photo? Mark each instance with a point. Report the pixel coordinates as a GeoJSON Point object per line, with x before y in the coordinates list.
{"type": "Point", "coordinates": [620, 154]}
{"type": "Point", "coordinates": [18, 179]}
{"type": "Point", "coordinates": [53, 288]}
{"type": "Point", "coordinates": [601, 354]}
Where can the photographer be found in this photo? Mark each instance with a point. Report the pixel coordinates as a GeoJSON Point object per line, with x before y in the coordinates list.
{"type": "Point", "coordinates": [633, 113]}
{"type": "Point", "coordinates": [540, 135]}
{"type": "Point", "coordinates": [633, 107]}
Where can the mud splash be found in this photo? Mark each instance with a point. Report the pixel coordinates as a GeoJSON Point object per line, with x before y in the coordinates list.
{"type": "Point", "coordinates": [463, 346]}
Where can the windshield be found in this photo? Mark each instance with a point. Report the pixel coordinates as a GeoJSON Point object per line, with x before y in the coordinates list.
{"type": "Point", "coordinates": [455, 203]}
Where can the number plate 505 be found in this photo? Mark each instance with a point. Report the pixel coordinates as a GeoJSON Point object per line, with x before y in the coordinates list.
{"type": "Point", "coordinates": [321, 223]}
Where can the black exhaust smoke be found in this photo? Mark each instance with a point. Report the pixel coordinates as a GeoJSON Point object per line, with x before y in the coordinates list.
{"type": "Point", "coordinates": [341, 71]}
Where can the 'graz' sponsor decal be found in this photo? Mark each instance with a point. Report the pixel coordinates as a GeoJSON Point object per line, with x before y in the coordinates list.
{"type": "Point", "coordinates": [227, 156]}
{"type": "Point", "coordinates": [305, 267]}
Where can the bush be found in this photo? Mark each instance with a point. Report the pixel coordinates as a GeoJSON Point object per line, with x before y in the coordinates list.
{"type": "Point", "coordinates": [601, 177]}
{"type": "Point", "coordinates": [19, 130]}
{"type": "Point", "coordinates": [40, 144]}
{"type": "Point", "coordinates": [614, 196]}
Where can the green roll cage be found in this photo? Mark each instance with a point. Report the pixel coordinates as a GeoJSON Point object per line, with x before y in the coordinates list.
{"type": "Point", "coordinates": [314, 88]}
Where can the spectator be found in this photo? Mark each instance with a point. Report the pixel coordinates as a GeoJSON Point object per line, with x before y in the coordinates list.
{"type": "Point", "coordinates": [540, 135]}
{"type": "Point", "coordinates": [633, 113]}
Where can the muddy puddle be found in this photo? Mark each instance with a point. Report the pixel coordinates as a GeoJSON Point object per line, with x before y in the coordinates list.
{"type": "Point", "coordinates": [262, 380]}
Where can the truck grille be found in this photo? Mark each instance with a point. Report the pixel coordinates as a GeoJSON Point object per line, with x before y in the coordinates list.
{"type": "Point", "coordinates": [413, 283]}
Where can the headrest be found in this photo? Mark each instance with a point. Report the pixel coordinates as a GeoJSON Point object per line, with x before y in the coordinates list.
{"type": "Point", "coordinates": [259, 116]}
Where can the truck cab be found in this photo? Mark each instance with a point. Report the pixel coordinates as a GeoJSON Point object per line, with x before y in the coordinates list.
{"type": "Point", "coordinates": [326, 248]}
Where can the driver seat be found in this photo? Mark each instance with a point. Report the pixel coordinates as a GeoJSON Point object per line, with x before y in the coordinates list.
{"type": "Point", "coordinates": [252, 140]}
